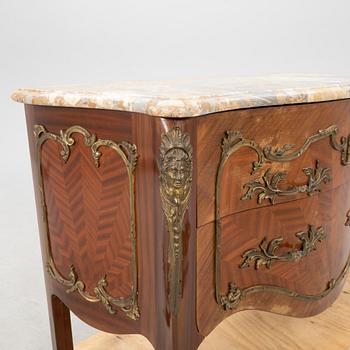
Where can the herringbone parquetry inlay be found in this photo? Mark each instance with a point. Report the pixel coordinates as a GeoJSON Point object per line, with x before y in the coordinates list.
{"type": "Point", "coordinates": [88, 214]}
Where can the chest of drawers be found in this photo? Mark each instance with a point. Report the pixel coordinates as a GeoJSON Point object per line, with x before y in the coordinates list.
{"type": "Point", "coordinates": [163, 208]}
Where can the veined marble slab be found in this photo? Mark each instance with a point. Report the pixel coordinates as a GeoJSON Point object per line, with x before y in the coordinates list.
{"type": "Point", "coordinates": [190, 98]}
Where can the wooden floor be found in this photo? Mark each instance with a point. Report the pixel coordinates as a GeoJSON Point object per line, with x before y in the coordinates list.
{"type": "Point", "coordinates": [253, 330]}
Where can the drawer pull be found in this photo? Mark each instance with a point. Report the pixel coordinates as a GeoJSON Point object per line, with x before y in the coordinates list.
{"type": "Point", "coordinates": [265, 255]}
{"type": "Point", "coordinates": [267, 188]}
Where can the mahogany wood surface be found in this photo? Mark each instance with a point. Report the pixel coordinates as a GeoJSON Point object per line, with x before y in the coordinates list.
{"type": "Point", "coordinates": [245, 223]}
{"type": "Point", "coordinates": [309, 275]}
{"type": "Point", "coordinates": [89, 215]}
{"type": "Point", "coordinates": [60, 324]}
{"type": "Point", "coordinates": [163, 329]}
{"type": "Point", "coordinates": [275, 126]}
{"type": "Point", "coordinates": [88, 218]}
{"type": "Point", "coordinates": [257, 330]}
{"type": "Point", "coordinates": [92, 313]}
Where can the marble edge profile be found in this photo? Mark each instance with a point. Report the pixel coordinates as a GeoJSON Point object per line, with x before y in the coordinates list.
{"type": "Point", "coordinates": [180, 107]}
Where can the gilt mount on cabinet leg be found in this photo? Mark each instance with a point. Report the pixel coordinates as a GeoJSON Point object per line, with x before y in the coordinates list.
{"type": "Point", "coordinates": [175, 190]}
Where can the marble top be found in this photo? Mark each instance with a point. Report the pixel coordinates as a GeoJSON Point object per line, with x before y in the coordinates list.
{"type": "Point", "coordinates": [189, 98]}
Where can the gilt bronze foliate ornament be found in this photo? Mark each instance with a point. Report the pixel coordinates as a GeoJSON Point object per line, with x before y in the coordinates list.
{"type": "Point", "coordinates": [128, 153]}
{"type": "Point", "coordinates": [235, 295]}
{"type": "Point", "coordinates": [175, 189]}
{"type": "Point", "coordinates": [269, 189]}
{"type": "Point", "coordinates": [266, 254]}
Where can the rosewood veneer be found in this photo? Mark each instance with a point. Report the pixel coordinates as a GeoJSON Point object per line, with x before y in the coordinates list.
{"type": "Point", "coordinates": [163, 208]}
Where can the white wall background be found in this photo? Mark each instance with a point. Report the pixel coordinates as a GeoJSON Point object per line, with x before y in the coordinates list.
{"type": "Point", "coordinates": [75, 41]}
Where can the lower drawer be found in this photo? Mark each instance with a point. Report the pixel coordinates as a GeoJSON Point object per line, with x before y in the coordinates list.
{"type": "Point", "coordinates": [288, 259]}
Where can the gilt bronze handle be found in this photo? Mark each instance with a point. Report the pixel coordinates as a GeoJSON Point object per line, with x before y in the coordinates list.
{"type": "Point", "coordinates": [265, 255]}
{"type": "Point", "coordinates": [269, 188]}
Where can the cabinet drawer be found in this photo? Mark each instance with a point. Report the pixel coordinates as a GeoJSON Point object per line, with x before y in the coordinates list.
{"type": "Point", "coordinates": [270, 155]}
{"type": "Point", "coordinates": [288, 259]}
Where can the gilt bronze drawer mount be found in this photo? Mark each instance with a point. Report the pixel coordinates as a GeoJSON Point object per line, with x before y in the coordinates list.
{"type": "Point", "coordinates": [268, 188]}
{"type": "Point", "coordinates": [265, 255]}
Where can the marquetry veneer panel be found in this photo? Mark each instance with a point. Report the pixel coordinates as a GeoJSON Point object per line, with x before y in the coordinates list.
{"type": "Point", "coordinates": [267, 126]}
{"type": "Point", "coordinates": [89, 215]}
{"type": "Point", "coordinates": [309, 275]}
{"type": "Point", "coordinates": [88, 229]}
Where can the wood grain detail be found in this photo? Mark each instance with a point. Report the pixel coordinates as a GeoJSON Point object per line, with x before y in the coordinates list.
{"type": "Point", "coordinates": [266, 126]}
{"type": "Point", "coordinates": [164, 330]}
{"type": "Point", "coordinates": [83, 231]}
{"type": "Point", "coordinates": [308, 276]}
{"type": "Point", "coordinates": [89, 215]}
{"type": "Point", "coordinates": [330, 330]}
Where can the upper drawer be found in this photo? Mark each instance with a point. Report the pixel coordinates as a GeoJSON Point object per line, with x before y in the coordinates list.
{"type": "Point", "coordinates": [258, 157]}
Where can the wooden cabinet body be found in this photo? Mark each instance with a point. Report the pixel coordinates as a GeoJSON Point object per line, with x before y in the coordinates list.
{"type": "Point", "coordinates": [260, 219]}
{"type": "Point", "coordinates": [301, 186]}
